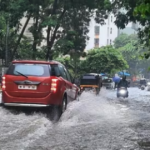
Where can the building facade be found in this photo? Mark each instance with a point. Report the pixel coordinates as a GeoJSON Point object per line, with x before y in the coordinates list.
{"type": "Point", "coordinates": [101, 35]}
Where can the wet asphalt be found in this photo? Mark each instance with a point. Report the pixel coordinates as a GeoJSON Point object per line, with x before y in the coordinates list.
{"type": "Point", "coordinates": [101, 122]}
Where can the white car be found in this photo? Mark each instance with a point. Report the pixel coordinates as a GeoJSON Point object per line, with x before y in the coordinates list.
{"type": "Point", "coordinates": [108, 83]}
{"type": "Point", "coordinates": [148, 86]}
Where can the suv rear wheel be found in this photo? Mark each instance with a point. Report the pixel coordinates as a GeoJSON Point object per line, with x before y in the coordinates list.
{"type": "Point", "coordinates": [55, 112]}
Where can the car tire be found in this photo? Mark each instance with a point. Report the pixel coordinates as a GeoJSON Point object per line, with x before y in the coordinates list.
{"type": "Point", "coordinates": [56, 111]}
{"type": "Point", "coordinates": [63, 107]}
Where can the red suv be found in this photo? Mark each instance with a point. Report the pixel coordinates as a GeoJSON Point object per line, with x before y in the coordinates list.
{"type": "Point", "coordinates": [38, 84]}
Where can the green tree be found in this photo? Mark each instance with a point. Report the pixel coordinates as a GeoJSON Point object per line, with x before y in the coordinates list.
{"type": "Point", "coordinates": [73, 64]}
{"type": "Point", "coordinates": [2, 36]}
{"type": "Point", "coordinates": [132, 52]}
{"type": "Point", "coordinates": [13, 11]}
{"type": "Point", "coordinates": [66, 23]}
{"type": "Point", "coordinates": [124, 39]}
{"type": "Point", "coordinates": [136, 11]}
{"type": "Point", "coordinates": [69, 21]}
{"type": "Point", "coordinates": [104, 59]}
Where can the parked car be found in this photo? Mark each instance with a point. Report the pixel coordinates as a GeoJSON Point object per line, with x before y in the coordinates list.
{"type": "Point", "coordinates": [108, 83]}
{"type": "Point", "coordinates": [38, 84]}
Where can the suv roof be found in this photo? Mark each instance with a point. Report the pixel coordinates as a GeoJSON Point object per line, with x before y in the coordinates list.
{"type": "Point", "coordinates": [36, 62]}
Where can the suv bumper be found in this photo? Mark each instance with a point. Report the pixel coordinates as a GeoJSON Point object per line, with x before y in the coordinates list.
{"type": "Point", "coordinates": [51, 99]}
{"type": "Point", "coordinates": [25, 105]}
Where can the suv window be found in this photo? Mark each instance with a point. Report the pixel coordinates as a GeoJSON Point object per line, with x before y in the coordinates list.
{"type": "Point", "coordinates": [68, 75]}
{"type": "Point", "coordinates": [62, 72]}
{"type": "Point", "coordinates": [40, 70]}
{"type": "Point", "coordinates": [55, 70]}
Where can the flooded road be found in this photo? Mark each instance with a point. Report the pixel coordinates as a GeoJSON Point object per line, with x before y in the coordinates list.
{"type": "Point", "coordinates": [101, 122]}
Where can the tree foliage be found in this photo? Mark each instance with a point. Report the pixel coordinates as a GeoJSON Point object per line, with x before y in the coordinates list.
{"type": "Point", "coordinates": [104, 60]}
{"type": "Point", "coordinates": [133, 53]}
{"type": "Point", "coordinates": [65, 22]}
{"type": "Point", "coordinates": [124, 39]}
{"type": "Point", "coordinates": [73, 62]}
{"type": "Point", "coordinates": [136, 11]}
{"type": "Point", "coordinates": [2, 35]}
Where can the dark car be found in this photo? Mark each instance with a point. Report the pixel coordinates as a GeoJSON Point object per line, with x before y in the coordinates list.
{"type": "Point", "coordinates": [38, 84]}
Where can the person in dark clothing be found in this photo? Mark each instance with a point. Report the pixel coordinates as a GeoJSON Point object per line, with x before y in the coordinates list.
{"type": "Point", "coordinates": [116, 80]}
{"type": "Point", "coordinates": [123, 83]}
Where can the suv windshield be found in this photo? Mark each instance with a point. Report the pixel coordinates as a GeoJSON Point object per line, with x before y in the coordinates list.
{"type": "Point", "coordinates": [40, 70]}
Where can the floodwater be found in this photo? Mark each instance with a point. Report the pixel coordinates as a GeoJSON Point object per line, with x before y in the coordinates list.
{"type": "Point", "coordinates": [101, 122]}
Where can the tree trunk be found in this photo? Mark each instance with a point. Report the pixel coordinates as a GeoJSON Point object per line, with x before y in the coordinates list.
{"type": "Point", "coordinates": [48, 37]}
{"type": "Point", "coordinates": [34, 49]}
{"type": "Point", "coordinates": [35, 35]}
{"type": "Point", "coordinates": [50, 42]}
{"type": "Point", "coordinates": [20, 36]}
{"type": "Point", "coordinates": [49, 55]}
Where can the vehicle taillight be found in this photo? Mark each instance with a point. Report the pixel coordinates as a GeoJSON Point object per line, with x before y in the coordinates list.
{"type": "Point", "coordinates": [54, 85]}
{"type": "Point", "coordinates": [3, 83]}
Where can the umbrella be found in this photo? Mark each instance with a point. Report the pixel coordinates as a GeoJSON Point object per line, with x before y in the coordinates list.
{"type": "Point", "coordinates": [116, 79]}
{"type": "Point", "coordinates": [124, 73]}
{"type": "Point", "coordinates": [102, 74]}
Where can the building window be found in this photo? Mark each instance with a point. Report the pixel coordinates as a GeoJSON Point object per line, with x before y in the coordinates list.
{"type": "Point", "coordinates": [111, 18]}
{"type": "Point", "coordinates": [96, 42]}
{"type": "Point", "coordinates": [107, 31]}
{"type": "Point", "coordinates": [108, 20]}
{"type": "Point", "coordinates": [96, 30]}
{"type": "Point", "coordinates": [107, 41]}
{"type": "Point", "coordinates": [110, 42]}
{"type": "Point", "coordinates": [110, 30]}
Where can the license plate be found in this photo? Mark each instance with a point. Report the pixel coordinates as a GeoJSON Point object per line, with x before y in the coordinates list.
{"type": "Point", "coordinates": [27, 87]}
